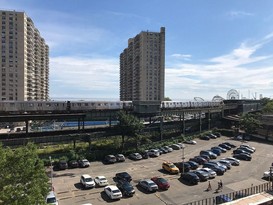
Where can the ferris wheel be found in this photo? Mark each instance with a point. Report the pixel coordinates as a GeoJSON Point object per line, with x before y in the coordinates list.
{"type": "Point", "coordinates": [233, 94]}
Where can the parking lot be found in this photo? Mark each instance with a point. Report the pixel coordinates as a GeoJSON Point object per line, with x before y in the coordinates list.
{"type": "Point", "coordinates": [249, 173]}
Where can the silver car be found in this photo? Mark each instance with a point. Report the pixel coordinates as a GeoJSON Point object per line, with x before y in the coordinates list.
{"type": "Point", "coordinates": [148, 185]}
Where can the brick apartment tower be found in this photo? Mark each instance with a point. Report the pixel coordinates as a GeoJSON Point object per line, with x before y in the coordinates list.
{"type": "Point", "coordinates": [142, 67]}
{"type": "Point", "coordinates": [24, 59]}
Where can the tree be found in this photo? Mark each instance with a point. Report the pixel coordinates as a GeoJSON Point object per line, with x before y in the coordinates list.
{"type": "Point", "coordinates": [129, 126]}
{"type": "Point", "coordinates": [167, 99]}
{"type": "Point", "coordinates": [22, 177]}
{"type": "Point", "coordinates": [249, 123]}
{"type": "Point", "coordinates": [268, 108]}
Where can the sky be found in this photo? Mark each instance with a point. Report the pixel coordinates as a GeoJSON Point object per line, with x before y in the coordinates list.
{"type": "Point", "coordinates": [211, 46]}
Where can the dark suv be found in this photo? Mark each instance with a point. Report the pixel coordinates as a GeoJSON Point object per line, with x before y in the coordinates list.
{"type": "Point", "coordinates": [125, 187]}
{"type": "Point", "coordinates": [110, 159]}
{"type": "Point", "coordinates": [123, 176]}
{"type": "Point", "coordinates": [190, 177]}
{"type": "Point", "coordinates": [62, 165]}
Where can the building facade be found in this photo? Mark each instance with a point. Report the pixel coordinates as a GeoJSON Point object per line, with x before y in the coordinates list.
{"type": "Point", "coordinates": [142, 67]}
{"type": "Point", "coordinates": [24, 59]}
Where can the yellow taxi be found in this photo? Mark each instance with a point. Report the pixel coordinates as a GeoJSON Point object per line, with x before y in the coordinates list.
{"type": "Point", "coordinates": [170, 167]}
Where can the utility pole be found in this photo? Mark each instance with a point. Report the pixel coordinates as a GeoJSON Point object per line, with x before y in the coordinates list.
{"type": "Point", "coordinates": [51, 173]}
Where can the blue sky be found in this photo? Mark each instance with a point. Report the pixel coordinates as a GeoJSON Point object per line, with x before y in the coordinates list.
{"type": "Point", "coordinates": [211, 46]}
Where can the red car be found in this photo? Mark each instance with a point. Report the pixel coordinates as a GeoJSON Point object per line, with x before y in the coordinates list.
{"type": "Point", "coordinates": [161, 183]}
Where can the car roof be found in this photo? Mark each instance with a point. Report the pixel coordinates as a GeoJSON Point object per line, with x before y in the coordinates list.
{"type": "Point", "coordinates": [86, 176]}
{"type": "Point", "coordinates": [112, 187]}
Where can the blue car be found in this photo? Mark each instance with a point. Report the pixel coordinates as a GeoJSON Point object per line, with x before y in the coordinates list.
{"type": "Point", "coordinates": [216, 151]}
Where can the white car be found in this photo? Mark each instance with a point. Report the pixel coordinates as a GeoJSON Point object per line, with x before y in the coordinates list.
{"type": "Point", "coordinates": [101, 181]}
{"type": "Point", "coordinates": [84, 163]}
{"type": "Point", "coordinates": [87, 181]}
{"type": "Point", "coordinates": [212, 174]}
{"type": "Point", "coordinates": [51, 198]}
{"type": "Point", "coordinates": [154, 152]}
{"type": "Point", "coordinates": [267, 175]}
{"type": "Point", "coordinates": [113, 192]}
{"type": "Point", "coordinates": [190, 142]}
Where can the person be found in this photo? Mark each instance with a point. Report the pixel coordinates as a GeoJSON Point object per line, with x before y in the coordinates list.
{"type": "Point", "coordinates": [209, 187]}
{"type": "Point", "coordinates": [221, 184]}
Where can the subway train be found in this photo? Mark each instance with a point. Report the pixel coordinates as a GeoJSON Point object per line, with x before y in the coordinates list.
{"type": "Point", "coordinates": [25, 107]}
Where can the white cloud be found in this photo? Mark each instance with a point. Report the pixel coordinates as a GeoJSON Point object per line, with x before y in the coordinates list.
{"type": "Point", "coordinates": [181, 56]}
{"type": "Point", "coordinates": [236, 14]}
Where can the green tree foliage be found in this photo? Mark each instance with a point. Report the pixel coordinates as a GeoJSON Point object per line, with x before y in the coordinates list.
{"type": "Point", "coordinates": [249, 122]}
{"type": "Point", "coordinates": [129, 126]}
{"type": "Point", "coordinates": [268, 108]}
{"type": "Point", "coordinates": [22, 177]}
{"type": "Point", "coordinates": [264, 101]}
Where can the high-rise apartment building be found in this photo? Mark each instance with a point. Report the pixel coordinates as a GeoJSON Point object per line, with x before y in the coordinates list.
{"type": "Point", "coordinates": [24, 59]}
{"type": "Point", "coordinates": [142, 67]}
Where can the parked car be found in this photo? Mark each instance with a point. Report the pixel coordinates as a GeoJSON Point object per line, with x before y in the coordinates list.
{"type": "Point", "coordinates": [214, 167]}
{"type": "Point", "coordinates": [193, 142]}
{"type": "Point", "coordinates": [62, 165]}
{"type": "Point", "coordinates": [51, 198]}
{"type": "Point", "coordinates": [239, 151]}
{"type": "Point", "coordinates": [225, 162]}
{"type": "Point", "coordinates": [223, 150]}
{"type": "Point", "coordinates": [120, 158]}
{"type": "Point", "coordinates": [145, 154]}
{"type": "Point", "coordinates": [212, 174]}
{"type": "Point", "coordinates": [175, 147]}
{"type": "Point", "coordinates": [248, 146]}
{"type": "Point", "coordinates": [194, 165]}
{"type": "Point", "coordinates": [87, 181]}
{"type": "Point", "coordinates": [218, 134]}
{"type": "Point", "coordinates": [113, 192]}
{"type": "Point", "coordinates": [73, 164]}
{"type": "Point", "coordinates": [212, 136]}
{"type": "Point", "coordinates": [84, 163]}
{"type": "Point", "coordinates": [229, 144]}
{"type": "Point", "coordinates": [170, 167]}
{"type": "Point", "coordinates": [110, 159]}
{"type": "Point", "coordinates": [190, 177]}
{"type": "Point", "coordinates": [198, 159]}
{"type": "Point", "coordinates": [225, 146]}
{"type": "Point", "coordinates": [233, 161]}
{"type": "Point", "coordinates": [209, 153]}
{"type": "Point", "coordinates": [161, 183]}
{"type": "Point", "coordinates": [148, 185]}
{"type": "Point", "coordinates": [101, 181]}
{"type": "Point", "coordinates": [243, 156]}
{"type": "Point", "coordinates": [135, 156]}
{"type": "Point", "coordinates": [216, 151]}
{"type": "Point", "coordinates": [203, 176]}
{"type": "Point", "coordinates": [248, 150]}
{"type": "Point", "coordinates": [183, 166]}
{"type": "Point", "coordinates": [219, 164]}
{"type": "Point", "coordinates": [154, 153]}
{"type": "Point", "coordinates": [125, 187]}
{"type": "Point", "coordinates": [123, 176]}
{"type": "Point", "coordinates": [204, 137]}
{"type": "Point", "coordinates": [163, 150]}
{"type": "Point", "coordinates": [206, 157]}
{"type": "Point", "coordinates": [168, 148]}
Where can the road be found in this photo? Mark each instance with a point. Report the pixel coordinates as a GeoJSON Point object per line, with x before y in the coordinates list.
{"type": "Point", "coordinates": [69, 191]}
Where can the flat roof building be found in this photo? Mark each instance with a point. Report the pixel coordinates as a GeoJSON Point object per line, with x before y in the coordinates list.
{"type": "Point", "coordinates": [24, 59]}
{"type": "Point", "coordinates": [142, 67]}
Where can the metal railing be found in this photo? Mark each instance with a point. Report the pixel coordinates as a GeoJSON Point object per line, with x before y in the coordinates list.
{"type": "Point", "coordinates": [222, 198]}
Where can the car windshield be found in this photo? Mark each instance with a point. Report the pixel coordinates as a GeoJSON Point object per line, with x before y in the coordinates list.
{"type": "Point", "coordinates": [88, 179]}
{"type": "Point", "coordinates": [51, 200]}
{"type": "Point", "coordinates": [102, 179]}
{"type": "Point", "coordinates": [151, 183]}
{"type": "Point", "coordinates": [85, 160]}
{"type": "Point", "coordinates": [162, 180]}
{"type": "Point", "coordinates": [116, 191]}
{"type": "Point", "coordinates": [172, 166]}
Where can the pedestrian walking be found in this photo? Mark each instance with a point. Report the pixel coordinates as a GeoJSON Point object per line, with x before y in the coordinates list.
{"type": "Point", "coordinates": [209, 187]}
{"type": "Point", "coordinates": [221, 184]}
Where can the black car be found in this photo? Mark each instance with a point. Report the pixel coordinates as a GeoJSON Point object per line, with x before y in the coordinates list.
{"type": "Point", "coordinates": [182, 165]}
{"type": "Point", "coordinates": [203, 176]}
{"type": "Point", "coordinates": [206, 157]}
{"type": "Point", "coordinates": [198, 159]}
{"type": "Point", "coordinates": [190, 177]}
{"type": "Point", "coordinates": [145, 154]}
{"type": "Point", "coordinates": [212, 136]}
{"type": "Point", "coordinates": [110, 159]}
{"type": "Point", "coordinates": [223, 150]}
{"type": "Point", "coordinates": [229, 144]}
{"type": "Point", "coordinates": [62, 165]}
{"type": "Point", "coordinates": [216, 151]}
{"type": "Point", "coordinates": [209, 153]}
{"type": "Point", "coordinates": [123, 176]}
{"type": "Point", "coordinates": [204, 137]}
{"type": "Point", "coordinates": [194, 165]}
{"type": "Point", "coordinates": [214, 167]}
{"type": "Point", "coordinates": [248, 150]}
{"type": "Point", "coordinates": [73, 164]}
{"type": "Point", "coordinates": [243, 156]}
{"type": "Point", "coordinates": [125, 187]}
{"type": "Point", "coordinates": [239, 151]}
{"type": "Point", "coordinates": [218, 134]}
{"type": "Point", "coordinates": [225, 146]}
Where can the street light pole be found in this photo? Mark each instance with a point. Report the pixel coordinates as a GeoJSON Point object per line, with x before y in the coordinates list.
{"type": "Point", "coordinates": [271, 176]}
{"type": "Point", "coordinates": [183, 158]}
{"type": "Point", "coordinates": [51, 173]}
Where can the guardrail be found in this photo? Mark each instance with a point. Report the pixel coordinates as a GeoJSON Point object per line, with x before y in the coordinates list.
{"type": "Point", "coordinates": [222, 198]}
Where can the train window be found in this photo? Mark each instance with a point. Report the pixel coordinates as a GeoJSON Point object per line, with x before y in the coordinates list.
{"type": "Point", "coordinates": [92, 104]}
{"type": "Point", "coordinates": [79, 104]}
{"type": "Point", "coordinates": [48, 105]}
{"type": "Point", "coordinates": [86, 104]}
{"type": "Point", "coordinates": [105, 104]}
{"type": "Point", "coordinates": [30, 104]}
{"type": "Point", "coordinates": [99, 104]}
{"type": "Point", "coordinates": [39, 104]}
{"type": "Point", "coordinates": [12, 104]}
